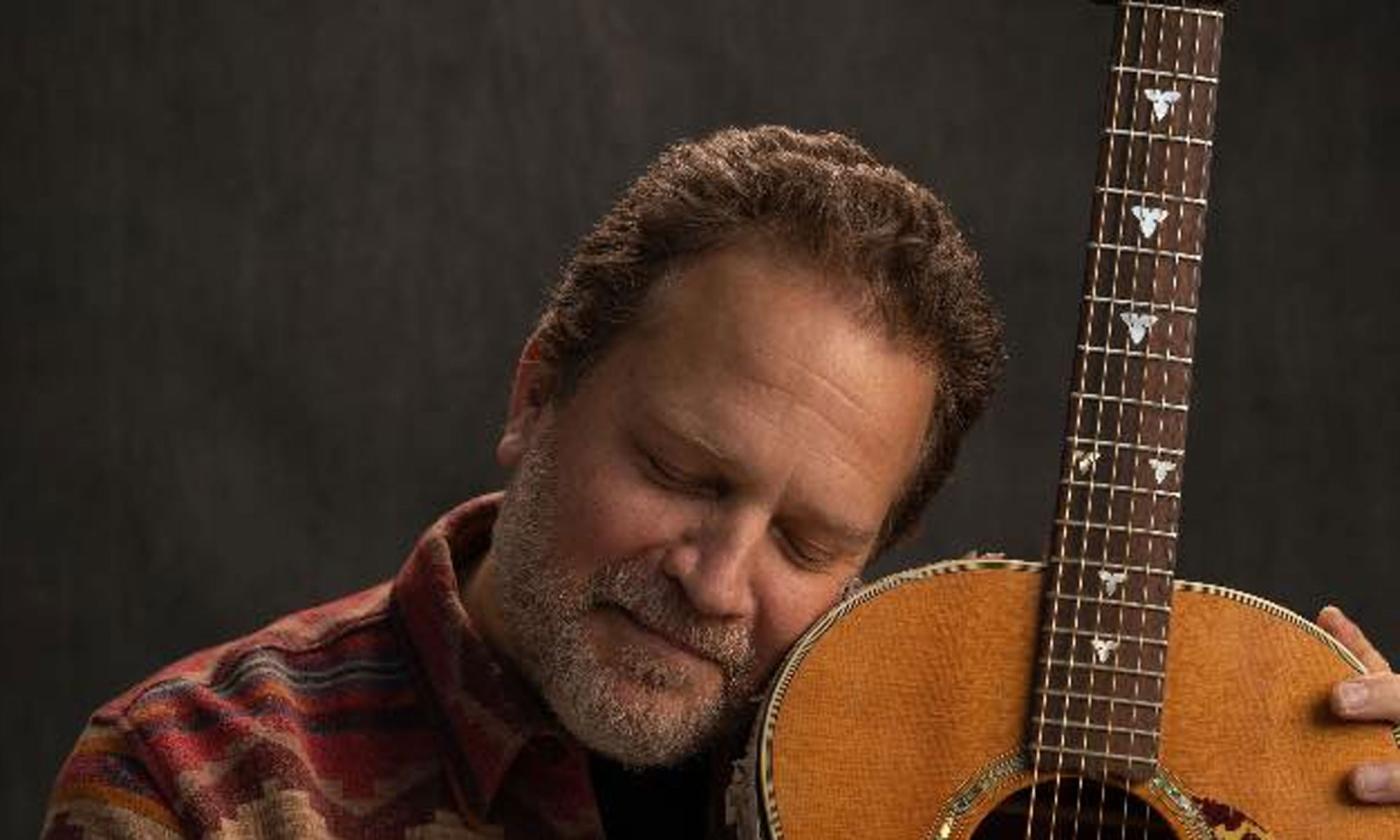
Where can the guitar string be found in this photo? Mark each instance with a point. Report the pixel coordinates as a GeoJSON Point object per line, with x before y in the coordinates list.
{"type": "Point", "coordinates": [1134, 462]}
{"type": "Point", "coordinates": [1095, 271]}
{"type": "Point", "coordinates": [1131, 294]}
{"type": "Point", "coordinates": [1169, 132]}
{"type": "Point", "coordinates": [1120, 619]}
{"type": "Point", "coordinates": [1092, 497]}
{"type": "Point", "coordinates": [1128, 295]}
{"type": "Point", "coordinates": [1201, 169]}
{"type": "Point", "coordinates": [1070, 466]}
{"type": "Point", "coordinates": [1189, 106]}
{"type": "Point", "coordinates": [1090, 501]}
{"type": "Point", "coordinates": [1185, 111]}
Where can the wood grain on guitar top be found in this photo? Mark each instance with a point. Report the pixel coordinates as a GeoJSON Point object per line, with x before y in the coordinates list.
{"type": "Point", "coordinates": [877, 740]}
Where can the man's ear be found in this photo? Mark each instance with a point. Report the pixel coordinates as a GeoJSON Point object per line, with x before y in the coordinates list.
{"type": "Point", "coordinates": [530, 395]}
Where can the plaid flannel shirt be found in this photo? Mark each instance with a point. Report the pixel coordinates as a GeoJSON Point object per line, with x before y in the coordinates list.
{"type": "Point", "coordinates": [382, 714]}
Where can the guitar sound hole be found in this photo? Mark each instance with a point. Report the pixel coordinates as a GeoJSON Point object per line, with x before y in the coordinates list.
{"type": "Point", "coordinates": [1084, 809]}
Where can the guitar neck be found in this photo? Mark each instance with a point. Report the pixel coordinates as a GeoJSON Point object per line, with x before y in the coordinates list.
{"type": "Point", "coordinates": [1113, 545]}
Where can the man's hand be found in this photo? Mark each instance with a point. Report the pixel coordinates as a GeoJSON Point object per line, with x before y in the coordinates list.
{"type": "Point", "coordinates": [1375, 696]}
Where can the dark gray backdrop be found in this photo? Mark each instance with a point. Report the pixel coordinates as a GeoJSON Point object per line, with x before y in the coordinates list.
{"type": "Point", "coordinates": [266, 265]}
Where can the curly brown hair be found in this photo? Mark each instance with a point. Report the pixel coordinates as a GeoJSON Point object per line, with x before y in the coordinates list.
{"type": "Point", "coordinates": [821, 197]}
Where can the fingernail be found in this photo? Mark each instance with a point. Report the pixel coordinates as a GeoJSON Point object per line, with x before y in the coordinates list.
{"type": "Point", "coordinates": [1352, 695]}
{"type": "Point", "coordinates": [1370, 780]}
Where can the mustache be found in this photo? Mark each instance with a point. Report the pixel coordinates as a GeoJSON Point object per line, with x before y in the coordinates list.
{"type": "Point", "coordinates": [659, 605]}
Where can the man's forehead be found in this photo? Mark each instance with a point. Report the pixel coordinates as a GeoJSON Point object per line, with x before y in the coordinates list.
{"type": "Point", "coordinates": [738, 274]}
{"type": "Point", "coordinates": [751, 302]}
{"type": "Point", "coordinates": [746, 312]}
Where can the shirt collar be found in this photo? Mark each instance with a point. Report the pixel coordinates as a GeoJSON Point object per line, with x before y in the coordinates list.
{"type": "Point", "coordinates": [492, 713]}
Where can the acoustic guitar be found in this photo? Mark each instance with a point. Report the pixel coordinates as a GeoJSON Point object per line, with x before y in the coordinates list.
{"type": "Point", "coordinates": [1093, 694]}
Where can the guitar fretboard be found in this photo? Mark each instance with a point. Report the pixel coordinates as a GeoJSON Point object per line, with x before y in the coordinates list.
{"type": "Point", "coordinates": [1113, 548]}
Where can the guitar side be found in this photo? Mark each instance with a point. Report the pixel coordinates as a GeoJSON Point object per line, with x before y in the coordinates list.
{"type": "Point", "coordinates": [927, 737]}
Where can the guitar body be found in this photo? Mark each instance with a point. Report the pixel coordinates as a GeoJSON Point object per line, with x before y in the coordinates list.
{"type": "Point", "coordinates": [919, 730]}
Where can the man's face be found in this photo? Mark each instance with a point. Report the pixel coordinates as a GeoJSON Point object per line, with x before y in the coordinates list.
{"type": "Point", "coordinates": [704, 495]}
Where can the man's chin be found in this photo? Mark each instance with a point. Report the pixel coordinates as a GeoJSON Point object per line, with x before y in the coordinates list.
{"type": "Point", "coordinates": [629, 718]}
{"type": "Point", "coordinates": [645, 696]}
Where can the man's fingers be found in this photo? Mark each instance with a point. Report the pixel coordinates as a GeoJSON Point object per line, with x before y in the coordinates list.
{"type": "Point", "coordinates": [1334, 621]}
{"type": "Point", "coordinates": [1372, 697]}
{"type": "Point", "coordinates": [1376, 782]}
{"type": "Point", "coordinates": [1375, 696]}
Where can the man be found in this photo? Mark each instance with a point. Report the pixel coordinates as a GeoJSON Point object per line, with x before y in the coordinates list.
{"type": "Point", "coordinates": [752, 376]}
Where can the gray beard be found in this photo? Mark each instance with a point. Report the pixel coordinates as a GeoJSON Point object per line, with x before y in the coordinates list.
{"type": "Point", "coordinates": [544, 608]}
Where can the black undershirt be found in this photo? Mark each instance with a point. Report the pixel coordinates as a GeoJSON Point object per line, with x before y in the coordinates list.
{"type": "Point", "coordinates": [671, 802]}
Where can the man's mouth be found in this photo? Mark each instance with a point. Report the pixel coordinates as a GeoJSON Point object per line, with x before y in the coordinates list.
{"type": "Point", "coordinates": [663, 636]}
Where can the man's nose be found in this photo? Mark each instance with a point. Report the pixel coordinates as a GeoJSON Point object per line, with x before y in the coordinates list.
{"type": "Point", "coordinates": [714, 563]}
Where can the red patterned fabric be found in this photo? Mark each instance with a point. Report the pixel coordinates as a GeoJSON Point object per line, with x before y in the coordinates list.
{"type": "Point", "coordinates": [382, 714]}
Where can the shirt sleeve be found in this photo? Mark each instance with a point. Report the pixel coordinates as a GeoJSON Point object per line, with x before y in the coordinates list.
{"type": "Point", "coordinates": [106, 790]}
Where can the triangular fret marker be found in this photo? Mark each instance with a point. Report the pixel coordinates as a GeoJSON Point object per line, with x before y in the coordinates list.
{"type": "Point", "coordinates": [1138, 325]}
{"type": "Point", "coordinates": [1111, 581]}
{"type": "Point", "coordinates": [1103, 648]}
{"type": "Point", "coordinates": [1162, 101]}
{"type": "Point", "coordinates": [1161, 469]}
{"type": "Point", "coordinates": [1084, 461]}
{"type": "Point", "coordinates": [1148, 218]}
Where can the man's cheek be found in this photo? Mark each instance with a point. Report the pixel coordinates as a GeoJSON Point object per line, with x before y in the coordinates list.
{"type": "Point", "coordinates": [786, 615]}
{"type": "Point", "coordinates": [771, 644]}
{"type": "Point", "coordinates": [624, 522]}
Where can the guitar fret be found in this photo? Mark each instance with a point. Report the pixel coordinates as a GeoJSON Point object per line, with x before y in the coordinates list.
{"type": "Point", "coordinates": [1165, 406]}
{"type": "Point", "coordinates": [1130, 731]}
{"type": "Point", "coordinates": [1055, 748]}
{"type": "Point", "coordinates": [1103, 666]}
{"type": "Point", "coordinates": [1120, 488]}
{"type": "Point", "coordinates": [1136, 447]}
{"type": "Point", "coordinates": [1185, 77]}
{"type": "Point", "coordinates": [1090, 634]}
{"type": "Point", "coordinates": [1123, 191]}
{"type": "Point", "coordinates": [1140, 4]}
{"type": "Point", "coordinates": [1118, 529]}
{"type": "Point", "coordinates": [1121, 567]}
{"type": "Point", "coordinates": [1098, 698]}
{"type": "Point", "coordinates": [1135, 354]}
{"type": "Point", "coordinates": [1141, 304]}
{"type": "Point", "coordinates": [1151, 135]}
{"type": "Point", "coordinates": [1151, 252]}
{"type": "Point", "coordinates": [1108, 602]}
